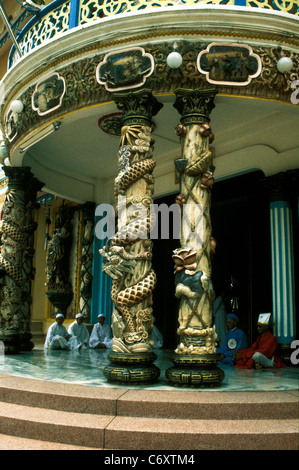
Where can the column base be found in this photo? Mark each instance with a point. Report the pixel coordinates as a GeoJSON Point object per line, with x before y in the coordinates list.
{"type": "Point", "coordinates": [15, 342]}
{"type": "Point", "coordinates": [285, 352]}
{"type": "Point", "coordinates": [11, 341]}
{"type": "Point", "coordinates": [132, 368]}
{"type": "Point", "coordinates": [26, 343]}
{"type": "Point", "coordinates": [195, 371]}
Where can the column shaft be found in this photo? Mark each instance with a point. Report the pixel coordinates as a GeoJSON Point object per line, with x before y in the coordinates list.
{"type": "Point", "coordinates": [128, 253]}
{"type": "Point", "coordinates": [16, 256]}
{"type": "Point", "coordinates": [197, 347]}
{"type": "Point", "coordinates": [283, 288]}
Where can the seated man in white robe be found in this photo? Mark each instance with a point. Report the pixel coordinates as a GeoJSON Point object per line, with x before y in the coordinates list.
{"type": "Point", "coordinates": [78, 330]}
{"type": "Point", "coordinates": [101, 335]}
{"type": "Point", "coordinates": [57, 336]}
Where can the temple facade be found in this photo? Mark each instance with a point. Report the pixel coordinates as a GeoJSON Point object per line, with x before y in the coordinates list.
{"type": "Point", "coordinates": [150, 156]}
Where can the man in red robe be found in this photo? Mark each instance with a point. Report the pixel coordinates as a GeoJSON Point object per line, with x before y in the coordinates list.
{"type": "Point", "coordinates": [264, 352]}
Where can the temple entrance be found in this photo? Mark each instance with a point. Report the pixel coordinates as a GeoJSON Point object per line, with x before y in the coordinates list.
{"type": "Point", "coordinates": [241, 266]}
{"type": "Point", "coordinates": [242, 263]}
{"type": "Point", "coordinates": [165, 304]}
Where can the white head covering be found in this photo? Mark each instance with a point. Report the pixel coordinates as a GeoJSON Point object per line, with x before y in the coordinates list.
{"type": "Point", "coordinates": [59, 315]}
{"type": "Point", "coordinates": [101, 315]}
{"type": "Point", "coordinates": [264, 318]}
{"type": "Point", "coordinates": [79, 315]}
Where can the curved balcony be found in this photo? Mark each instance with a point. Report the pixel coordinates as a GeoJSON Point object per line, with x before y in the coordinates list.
{"type": "Point", "coordinates": [72, 143]}
{"type": "Point", "coordinates": [61, 15]}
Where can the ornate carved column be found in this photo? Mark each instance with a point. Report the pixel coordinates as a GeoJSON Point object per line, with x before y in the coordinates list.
{"type": "Point", "coordinates": [195, 357]}
{"type": "Point", "coordinates": [86, 242]}
{"type": "Point", "coordinates": [59, 287]}
{"type": "Point", "coordinates": [16, 257]}
{"type": "Point", "coordinates": [128, 253]}
{"type": "Point", "coordinates": [281, 188]}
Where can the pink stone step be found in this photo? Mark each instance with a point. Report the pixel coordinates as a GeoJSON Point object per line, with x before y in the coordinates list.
{"type": "Point", "coordinates": [59, 396]}
{"type": "Point", "coordinates": [22, 443]}
{"type": "Point", "coordinates": [36, 414]}
{"type": "Point", "coordinates": [80, 429]}
{"type": "Point", "coordinates": [208, 405]}
{"type": "Point", "coordinates": [149, 403]}
{"type": "Point", "coordinates": [178, 434]}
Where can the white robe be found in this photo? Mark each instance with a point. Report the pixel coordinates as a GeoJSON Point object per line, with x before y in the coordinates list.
{"type": "Point", "coordinates": [80, 332]}
{"type": "Point", "coordinates": [100, 334]}
{"type": "Point", "coordinates": [56, 337]}
{"type": "Point", "coordinates": [157, 337]}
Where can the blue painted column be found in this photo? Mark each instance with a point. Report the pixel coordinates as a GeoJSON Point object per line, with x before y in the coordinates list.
{"type": "Point", "coordinates": [283, 285]}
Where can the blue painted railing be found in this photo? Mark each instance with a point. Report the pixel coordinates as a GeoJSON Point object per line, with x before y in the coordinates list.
{"type": "Point", "coordinates": [61, 15]}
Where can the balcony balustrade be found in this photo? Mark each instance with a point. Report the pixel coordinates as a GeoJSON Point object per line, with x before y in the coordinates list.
{"type": "Point", "coordinates": [62, 15]}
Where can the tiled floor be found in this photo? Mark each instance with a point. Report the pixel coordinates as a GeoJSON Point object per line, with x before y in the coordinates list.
{"type": "Point", "coordinates": [85, 367]}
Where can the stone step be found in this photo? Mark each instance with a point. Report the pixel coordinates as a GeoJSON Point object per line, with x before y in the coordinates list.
{"type": "Point", "coordinates": [77, 429]}
{"type": "Point", "coordinates": [149, 403]}
{"type": "Point", "coordinates": [37, 414]}
{"type": "Point", "coordinates": [59, 396]}
{"type": "Point", "coordinates": [208, 405]}
{"type": "Point", "coordinates": [22, 443]}
{"type": "Point", "coordinates": [136, 433]}
{"type": "Point", "coordinates": [193, 434]}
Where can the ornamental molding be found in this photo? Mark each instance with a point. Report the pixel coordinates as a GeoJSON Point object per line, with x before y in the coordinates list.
{"type": "Point", "coordinates": [82, 88]}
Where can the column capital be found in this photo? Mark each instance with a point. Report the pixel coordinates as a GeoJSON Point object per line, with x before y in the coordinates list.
{"type": "Point", "coordinates": [138, 106]}
{"type": "Point", "coordinates": [21, 178]}
{"type": "Point", "coordinates": [282, 186]}
{"type": "Point", "coordinates": [195, 106]}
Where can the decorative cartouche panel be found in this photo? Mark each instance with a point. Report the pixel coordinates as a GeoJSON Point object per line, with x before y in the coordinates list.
{"type": "Point", "coordinates": [48, 94]}
{"type": "Point", "coordinates": [125, 69]}
{"type": "Point", "coordinates": [11, 129]}
{"type": "Point", "coordinates": [229, 64]}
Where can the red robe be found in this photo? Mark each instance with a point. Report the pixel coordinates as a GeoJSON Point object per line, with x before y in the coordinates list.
{"type": "Point", "coordinates": [267, 345]}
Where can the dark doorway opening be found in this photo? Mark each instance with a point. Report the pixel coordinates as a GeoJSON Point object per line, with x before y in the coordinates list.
{"type": "Point", "coordinates": [242, 263]}
{"type": "Point", "coordinates": [165, 304]}
{"type": "Point", "coordinates": [241, 226]}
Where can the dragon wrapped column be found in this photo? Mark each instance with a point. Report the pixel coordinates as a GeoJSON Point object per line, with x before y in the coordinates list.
{"type": "Point", "coordinates": [128, 253]}
{"type": "Point", "coordinates": [195, 357]}
{"type": "Point", "coordinates": [16, 266]}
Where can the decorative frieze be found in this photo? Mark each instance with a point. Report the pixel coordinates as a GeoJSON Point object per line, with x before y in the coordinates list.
{"type": "Point", "coordinates": [88, 81]}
